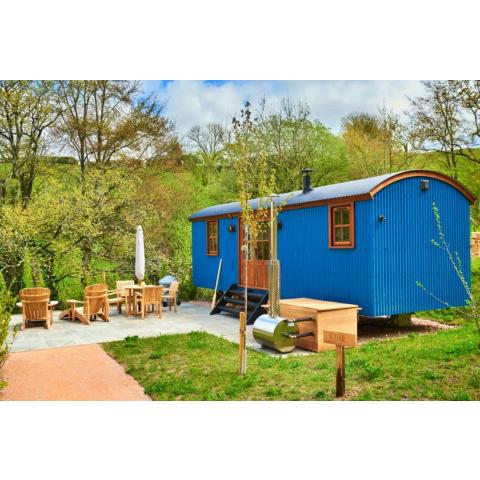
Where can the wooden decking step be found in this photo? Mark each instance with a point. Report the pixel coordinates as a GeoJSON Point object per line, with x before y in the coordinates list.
{"type": "Point", "coordinates": [233, 300]}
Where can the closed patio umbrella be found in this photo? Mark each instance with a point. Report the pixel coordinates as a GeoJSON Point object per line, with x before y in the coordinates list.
{"type": "Point", "coordinates": [139, 256]}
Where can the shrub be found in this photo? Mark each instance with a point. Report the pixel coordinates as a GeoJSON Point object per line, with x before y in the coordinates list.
{"type": "Point", "coordinates": [7, 304]}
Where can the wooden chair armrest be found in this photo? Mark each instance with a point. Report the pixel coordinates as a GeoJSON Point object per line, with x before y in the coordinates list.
{"type": "Point", "coordinates": [75, 301]}
{"type": "Point", "coordinates": [19, 304]}
{"type": "Point", "coordinates": [53, 303]}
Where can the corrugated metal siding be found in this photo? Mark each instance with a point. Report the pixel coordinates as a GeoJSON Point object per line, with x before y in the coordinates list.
{"type": "Point", "coordinates": [389, 257]}
{"type": "Point", "coordinates": [205, 267]}
{"type": "Point", "coordinates": [310, 269]}
{"type": "Point", "coordinates": [404, 253]}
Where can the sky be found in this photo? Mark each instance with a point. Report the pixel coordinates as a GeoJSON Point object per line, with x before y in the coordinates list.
{"type": "Point", "coordinates": [192, 102]}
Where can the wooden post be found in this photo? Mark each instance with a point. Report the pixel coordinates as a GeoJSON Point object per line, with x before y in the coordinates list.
{"type": "Point", "coordinates": [341, 340]}
{"type": "Point", "coordinates": [214, 299]}
{"type": "Point", "coordinates": [243, 344]}
{"type": "Point", "coordinates": [340, 391]}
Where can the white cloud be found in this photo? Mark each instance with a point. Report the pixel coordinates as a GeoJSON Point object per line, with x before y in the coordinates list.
{"type": "Point", "coordinates": [197, 102]}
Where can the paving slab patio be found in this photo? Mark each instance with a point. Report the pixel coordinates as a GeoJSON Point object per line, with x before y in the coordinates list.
{"type": "Point", "coordinates": [190, 317]}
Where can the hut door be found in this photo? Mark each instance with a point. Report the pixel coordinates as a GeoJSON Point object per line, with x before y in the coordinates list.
{"type": "Point", "coordinates": [259, 259]}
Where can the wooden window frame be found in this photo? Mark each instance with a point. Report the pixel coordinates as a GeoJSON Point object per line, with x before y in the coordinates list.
{"type": "Point", "coordinates": [212, 253]}
{"type": "Point", "coordinates": [262, 241]}
{"type": "Point", "coordinates": [331, 225]}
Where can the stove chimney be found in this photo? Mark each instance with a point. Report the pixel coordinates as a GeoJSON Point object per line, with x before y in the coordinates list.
{"type": "Point", "coordinates": [306, 180]}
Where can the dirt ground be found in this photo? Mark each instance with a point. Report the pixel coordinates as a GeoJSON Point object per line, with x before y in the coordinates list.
{"type": "Point", "coordinates": [83, 372]}
{"type": "Point", "coordinates": [381, 329]}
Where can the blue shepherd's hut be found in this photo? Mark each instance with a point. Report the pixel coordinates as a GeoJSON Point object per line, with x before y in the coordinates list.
{"type": "Point", "coordinates": [366, 242]}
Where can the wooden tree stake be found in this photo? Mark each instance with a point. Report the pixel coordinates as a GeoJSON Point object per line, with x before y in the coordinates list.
{"type": "Point", "coordinates": [340, 371]}
{"type": "Point", "coordinates": [242, 346]}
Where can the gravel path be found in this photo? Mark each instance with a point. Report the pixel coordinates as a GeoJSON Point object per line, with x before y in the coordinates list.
{"type": "Point", "coordinates": [83, 372]}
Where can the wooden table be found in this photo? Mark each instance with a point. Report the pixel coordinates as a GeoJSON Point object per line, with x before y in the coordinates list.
{"type": "Point", "coordinates": [130, 300]}
{"type": "Point", "coordinates": [339, 317]}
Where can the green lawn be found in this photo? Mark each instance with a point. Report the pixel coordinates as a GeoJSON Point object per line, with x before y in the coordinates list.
{"type": "Point", "coordinates": [199, 366]}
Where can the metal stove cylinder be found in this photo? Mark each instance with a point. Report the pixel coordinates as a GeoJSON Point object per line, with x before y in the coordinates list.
{"type": "Point", "coordinates": [273, 332]}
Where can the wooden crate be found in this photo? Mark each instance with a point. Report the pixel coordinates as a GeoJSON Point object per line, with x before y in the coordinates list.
{"type": "Point", "coordinates": [339, 317]}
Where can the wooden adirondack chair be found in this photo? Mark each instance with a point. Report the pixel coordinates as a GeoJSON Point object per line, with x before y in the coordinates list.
{"type": "Point", "coordinates": [95, 303]}
{"type": "Point", "coordinates": [36, 306]}
{"type": "Point", "coordinates": [119, 296]}
{"type": "Point", "coordinates": [151, 296]}
{"type": "Point", "coordinates": [171, 296]}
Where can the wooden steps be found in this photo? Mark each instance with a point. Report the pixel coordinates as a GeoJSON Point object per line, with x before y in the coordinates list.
{"type": "Point", "coordinates": [233, 301]}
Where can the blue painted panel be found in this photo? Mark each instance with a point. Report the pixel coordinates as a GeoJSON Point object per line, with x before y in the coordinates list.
{"type": "Point", "coordinates": [310, 269]}
{"type": "Point", "coordinates": [205, 267]}
{"type": "Point", "coordinates": [404, 253]}
{"type": "Point", "coordinates": [389, 257]}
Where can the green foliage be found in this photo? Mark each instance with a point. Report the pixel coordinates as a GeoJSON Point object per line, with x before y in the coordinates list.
{"type": "Point", "coordinates": [27, 276]}
{"type": "Point", "coordinates": [7, 304]}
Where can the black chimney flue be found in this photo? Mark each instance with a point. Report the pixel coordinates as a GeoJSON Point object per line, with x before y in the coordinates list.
{"type": "Point", "coordinates": [306, 180]}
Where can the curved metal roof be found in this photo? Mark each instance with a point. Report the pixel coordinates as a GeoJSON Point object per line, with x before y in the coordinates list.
{"type": "Point", "coordinates": [365, 189]}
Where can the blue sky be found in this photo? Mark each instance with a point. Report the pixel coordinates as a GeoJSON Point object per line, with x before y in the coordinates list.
{"type": "Point", "coordinates": [192, 102]}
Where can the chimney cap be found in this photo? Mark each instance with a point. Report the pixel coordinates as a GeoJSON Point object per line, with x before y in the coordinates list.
{"type": "Point", "coordinates": [307, 186]}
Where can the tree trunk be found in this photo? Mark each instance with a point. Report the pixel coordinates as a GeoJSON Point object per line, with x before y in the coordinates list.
{"type": "Point", "coordinates": [26, 187]}
{"type": "Point", "coordinates": [86, 257]}
{"type": "Point", "coordinates": [50, 277]}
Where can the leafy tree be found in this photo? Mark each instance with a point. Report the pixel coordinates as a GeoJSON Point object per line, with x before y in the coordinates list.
{"type": "Point", "coordinates": [106, 121]}
{"type": "Point", "coordinates": [254, 178]}
{"type": "Point", "coordinates": [437, 123]}
{"type": "Point", "coordinates": [376, 143]}
{"type": "Point", "coordinates": [292, 142]}
{"type": "Point", "coordinates": [26, 114]}
{"type": "Point", "coordinates": [64, 231]}
{"type": "Point", "coordinates": [208, 145]}
{"type": "Point", "coordinates": [329, 157]}
{"type": "Point", "coordinates": [289, 141]}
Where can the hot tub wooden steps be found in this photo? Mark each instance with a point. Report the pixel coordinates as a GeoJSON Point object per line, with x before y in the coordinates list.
{"type": "Point", "coordinates": [233, 300]}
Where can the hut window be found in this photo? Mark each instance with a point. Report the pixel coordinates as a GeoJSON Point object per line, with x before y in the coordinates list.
{"type": "Point", "coordinates": [262, 244]}
{"type": "Point", "coordinates": [341, 226]}
{"type": "Point", "coordinates": [212, 237]}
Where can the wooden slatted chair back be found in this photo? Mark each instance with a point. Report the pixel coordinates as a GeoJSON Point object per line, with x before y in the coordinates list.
{"type": "Point", "coordinates": [95, 299]}
{"type": "Point", "coordinates": [35, 303]}
{"type": "Point", "coordinates": [152, 294]}
{"type": "Point", "coordinates": [121, 284]}
{"type": "Point", "coordinates": [173, 288]}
